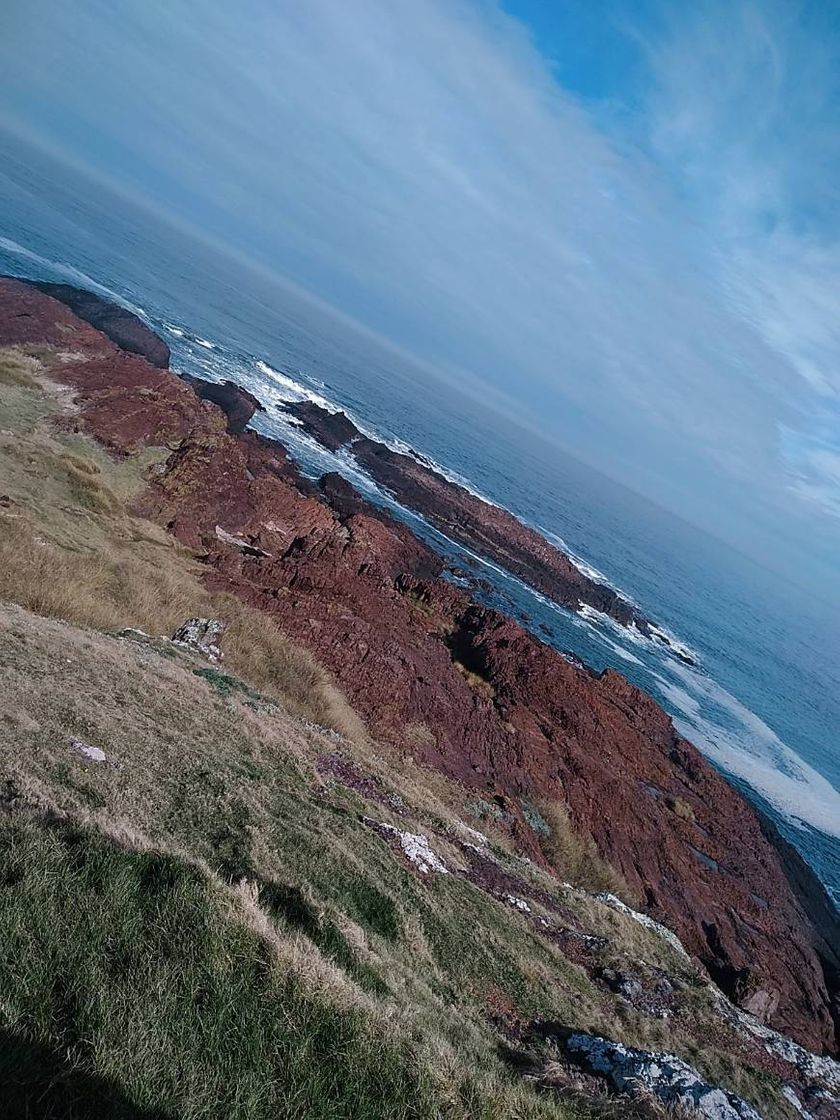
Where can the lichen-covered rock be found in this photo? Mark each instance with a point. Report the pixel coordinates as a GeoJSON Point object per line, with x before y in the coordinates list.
{"type": "Point", "coordinates": [91, 754]}
{"type": "Point", "coordinates": [645, 920]}
{"type": "Point", "coordinates": [415, 847]}
{"type": "Point", "coordinates": [201, 635]}
{"type": "Point", "coordinates": [664, 1076]}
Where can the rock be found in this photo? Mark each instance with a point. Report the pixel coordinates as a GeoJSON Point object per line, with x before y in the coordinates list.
{"type": "Point", "coordinates": [664, 1076]}
{"type": "Point", "coordinates": [645, 920]}
{"type": "Point", "coordinates": [92, 754]}
{"type": "Point", "coordinates": [762, 1003]}
{"type": "Point", "coordinates": [123, 327]}
{"type": "Point", "coordinates": [332, 429]}
{"type": "Point", "coordinates": [492, 532]}
{"type": "Point", "coordinates": [201, 635]}
{"type": "Point", "coordinates": [623, 983]}
{"type": "Point", "coordinates": [237, 403]}
{"type": "Point", "coordinates": [416, 848]}
{"type": "Point", "coordinates": [241, 543]}
{"type": "Point", "coordinates": [500, 711]}
{"type": "Point", "coordinates": [488, 529]}
{"type": "Point", "coordinates": [517, 903]}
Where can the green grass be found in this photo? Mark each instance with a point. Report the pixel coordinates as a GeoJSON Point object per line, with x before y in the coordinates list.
{"type": "Point", "coordinates": [247, 946]}
{"type": "Point", "coordinates": [290, 905]}
{"type": "Point", "coordinates": [226, 685]}
{"type": "Point", "coordinates": [135, 975]}
{"type": "Point", "coordinates": [233, 787]}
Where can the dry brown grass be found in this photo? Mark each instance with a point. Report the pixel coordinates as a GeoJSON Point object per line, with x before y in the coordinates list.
{"type": "Point", "coordinates": [154, 587]}
{"type": "Point", "coordinates": [17, 368]}
{"type": "Point", "coordinates": [681, 808]}
{"type": "Point", "coordinates": [574, 855]}
{"type": "Point", "coordinates": [69, 549]}
{"type": "Point", "coordinates": [477, 683]}
{"type": "Point", "coordinates": [259, 651]}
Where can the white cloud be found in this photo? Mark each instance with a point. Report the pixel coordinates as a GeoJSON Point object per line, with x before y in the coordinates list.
{"type": "Point", "coordinates": [744, 112]}
{"type": "Point", "coordinates": [415, 163]}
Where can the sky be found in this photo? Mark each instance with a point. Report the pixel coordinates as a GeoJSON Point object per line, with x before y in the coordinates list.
{"type": "Point", "coordinates": [616, 220]}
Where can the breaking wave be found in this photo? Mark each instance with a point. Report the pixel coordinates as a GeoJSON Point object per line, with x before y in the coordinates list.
{"type": "Point", "coordinates": [741, 743]}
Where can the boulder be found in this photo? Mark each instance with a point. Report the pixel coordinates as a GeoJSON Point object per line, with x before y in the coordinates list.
{"type": "Point", "coordinates": [663, 1076]}
{"type": "Point", "coordinates": [201, 635]}
{"type": "Point", "coordinates": [237, 403]}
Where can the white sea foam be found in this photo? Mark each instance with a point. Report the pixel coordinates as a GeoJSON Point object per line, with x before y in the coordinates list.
{"type": "Point", "coordinates": [741, 743]}
{"type": "Point", "coordinates": [205, 343]}
{"type": "Point", "coordinates": [676, 644]}
{"type": "Point", "coordinates": [171, 329]}
{"type": "Point", "coordinates": [284, 388]}
{"type": "Point", "coordinates": [288, 389]}
{"type": "Point", "coordinates": [72, 273]}
{"type": "Point", "coordinates": [583, 566]}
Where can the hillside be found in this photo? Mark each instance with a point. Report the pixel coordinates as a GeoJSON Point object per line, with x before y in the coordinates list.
{"type": "Point", "coordinates": [262, 887]}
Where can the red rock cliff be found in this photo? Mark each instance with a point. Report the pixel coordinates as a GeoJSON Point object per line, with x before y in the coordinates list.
{"type": "Point", "coordinates": [465, 689]}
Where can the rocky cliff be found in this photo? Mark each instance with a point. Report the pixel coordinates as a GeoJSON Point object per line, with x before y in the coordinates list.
{"type": "Point", "coordinates": [464, 689]}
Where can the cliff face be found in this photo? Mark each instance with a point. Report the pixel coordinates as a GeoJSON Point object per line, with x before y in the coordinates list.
{"type": "Point", "coordinates": [465, 689]}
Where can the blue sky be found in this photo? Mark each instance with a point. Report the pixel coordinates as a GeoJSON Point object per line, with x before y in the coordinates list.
{"type": "Point", "coordinates": [618, 221]}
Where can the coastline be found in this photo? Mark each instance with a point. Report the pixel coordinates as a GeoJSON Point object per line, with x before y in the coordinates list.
{"type": "Point", "coordinates": [333, 553]}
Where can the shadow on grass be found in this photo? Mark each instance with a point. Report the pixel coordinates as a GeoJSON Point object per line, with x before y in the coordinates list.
{"type": "Point", "coordinates": [36, 1083]}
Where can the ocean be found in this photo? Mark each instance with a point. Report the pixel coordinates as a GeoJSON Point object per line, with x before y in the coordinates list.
{"type": "Point", "coordinates": [763, 700]}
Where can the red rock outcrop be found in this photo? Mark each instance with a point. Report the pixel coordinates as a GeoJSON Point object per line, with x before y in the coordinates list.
{"type": "Point", "coordinates": [485, 528]}
{"type": "Point", "coordinates": [463, 688]}
{"type": "Point", "coordinates": [123, 327]}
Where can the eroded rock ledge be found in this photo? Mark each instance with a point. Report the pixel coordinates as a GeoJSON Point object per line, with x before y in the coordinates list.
{"type": "Point", "coordinates": [123, 327]}
{"type": "Point", "coordinates": [464, 689]}
{"type": "Point", "coordinates": [487, 529]}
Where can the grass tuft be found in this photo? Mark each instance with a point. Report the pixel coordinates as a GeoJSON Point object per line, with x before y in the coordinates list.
{"type": "Point", "coordinates": [574, 856]}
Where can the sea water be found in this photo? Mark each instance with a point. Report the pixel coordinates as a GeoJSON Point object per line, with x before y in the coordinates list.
{"type": "Point", "coordinates": [762, 701]}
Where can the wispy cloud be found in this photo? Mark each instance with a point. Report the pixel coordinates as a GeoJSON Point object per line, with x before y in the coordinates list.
{"type": "Point", "coordinates": [744, 111]}
{"type": "Point", "coordinates": [657, 301]}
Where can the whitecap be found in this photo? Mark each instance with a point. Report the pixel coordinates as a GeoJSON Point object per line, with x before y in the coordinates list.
{"type": "Point", "coordinates": [284, 388]}
{"type": "Point", "coordinates": [742, 744]}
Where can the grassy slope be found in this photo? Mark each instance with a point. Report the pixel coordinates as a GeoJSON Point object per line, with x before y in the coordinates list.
{"type": "Point", "coordinates": [211, 929]}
